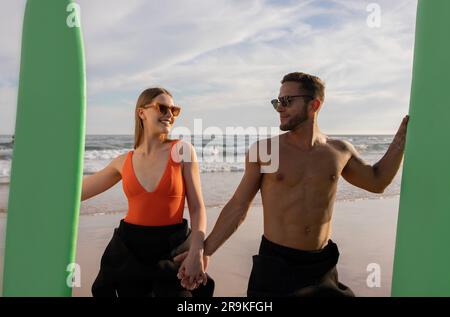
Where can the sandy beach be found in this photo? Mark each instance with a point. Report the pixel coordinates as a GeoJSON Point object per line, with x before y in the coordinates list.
{"type": "Point", "coordinates": [363, 229]}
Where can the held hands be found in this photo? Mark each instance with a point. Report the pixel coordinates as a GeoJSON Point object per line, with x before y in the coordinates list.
{"type": "Point", "coordinates": [400, 136]}
{"type": "Point", "coordinates": [192, 270]}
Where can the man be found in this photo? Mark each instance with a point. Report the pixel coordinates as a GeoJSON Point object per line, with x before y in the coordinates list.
{"type": "Point", "coordinates": [296, 256]}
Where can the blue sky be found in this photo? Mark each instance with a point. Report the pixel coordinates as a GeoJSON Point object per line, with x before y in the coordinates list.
{"type": "Point", "coordinates": [223, 60]}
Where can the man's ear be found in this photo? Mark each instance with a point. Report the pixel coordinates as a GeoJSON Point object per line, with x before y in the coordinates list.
{"type": "Point", "coordinates": [314, 105]}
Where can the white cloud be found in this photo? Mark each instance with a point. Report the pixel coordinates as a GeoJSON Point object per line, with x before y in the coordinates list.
{"type": "Point", "coordinates": [224, 54]}
{"type": "Point", "coordinates": [105, 119]}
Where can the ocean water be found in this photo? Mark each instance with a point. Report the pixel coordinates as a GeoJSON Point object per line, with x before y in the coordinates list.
{"type": "Point", "coordinates": [216, 153]}
{"type": "Point", "coordinates": [221, 160]}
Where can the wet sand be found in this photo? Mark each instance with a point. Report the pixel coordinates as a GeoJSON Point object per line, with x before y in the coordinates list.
{"type": "Point", "coordinates": [364, 231]}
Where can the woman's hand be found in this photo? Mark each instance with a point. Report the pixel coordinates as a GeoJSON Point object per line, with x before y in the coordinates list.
{"type": "Point", "coordinates": [192, 270]}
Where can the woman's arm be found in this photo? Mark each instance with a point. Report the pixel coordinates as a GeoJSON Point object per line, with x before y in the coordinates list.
{"type": "Point", "coordinates": [197, 211]}
{"type": "Point", "coordinates": [102, 180]}
{"type": "Point", "coordinates": [194, 266]}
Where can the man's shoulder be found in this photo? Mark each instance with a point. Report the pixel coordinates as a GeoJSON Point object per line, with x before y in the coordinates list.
{"type": "Point", "coordinates": [341, 145]}
{"type": "Point", "coordinates": [260, 150]}
{"type": "Point", "coordinates": [268, 142]}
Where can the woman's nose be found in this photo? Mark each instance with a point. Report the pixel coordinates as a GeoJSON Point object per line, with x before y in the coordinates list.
{"type": "Point", "coordinates": [168, 115]}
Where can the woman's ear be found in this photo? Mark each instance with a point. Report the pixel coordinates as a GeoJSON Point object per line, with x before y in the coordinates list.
{"type": "Point", "coordinates": [140, 113]}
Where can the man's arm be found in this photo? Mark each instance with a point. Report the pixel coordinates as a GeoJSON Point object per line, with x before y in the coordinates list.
{"type": "Point", "coordinates": [235, 211]}
{"type": "Point", "coordinates": [377, 177]}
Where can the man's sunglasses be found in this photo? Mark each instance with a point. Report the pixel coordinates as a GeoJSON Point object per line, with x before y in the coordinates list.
{"type": "Point", "coordinates": [285, 101]}
{"type": "Point", "coordinates": [163, 109]}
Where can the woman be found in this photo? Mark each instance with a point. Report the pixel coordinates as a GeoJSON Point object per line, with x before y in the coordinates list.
{"type": "Point", "coordinates": [156, 178]}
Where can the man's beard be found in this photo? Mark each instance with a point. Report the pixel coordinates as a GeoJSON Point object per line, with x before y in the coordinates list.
{"type": "Point", "coordinates": [293, 122]}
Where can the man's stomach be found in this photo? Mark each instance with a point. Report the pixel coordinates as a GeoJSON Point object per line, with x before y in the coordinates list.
{"type": "Point", "coordinates": [307, 234]}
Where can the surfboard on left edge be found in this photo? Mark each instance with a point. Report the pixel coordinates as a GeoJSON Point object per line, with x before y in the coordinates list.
{"type": "Point", "coordinates": [47, 164]}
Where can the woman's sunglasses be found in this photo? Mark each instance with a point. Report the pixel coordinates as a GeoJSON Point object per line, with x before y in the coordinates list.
{"type": "Point", "coordinates": [163, 109]}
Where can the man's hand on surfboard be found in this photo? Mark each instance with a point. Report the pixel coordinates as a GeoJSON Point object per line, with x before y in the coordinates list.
{"type": "Point", "coordinates": [400, 136]}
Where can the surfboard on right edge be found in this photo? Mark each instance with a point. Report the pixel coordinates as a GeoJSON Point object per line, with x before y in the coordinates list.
{"type": "Point", "coordinates": [422, 253]}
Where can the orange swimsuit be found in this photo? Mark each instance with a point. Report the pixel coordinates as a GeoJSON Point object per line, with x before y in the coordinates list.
{"type": "Point", "coordinates": [162, 207]}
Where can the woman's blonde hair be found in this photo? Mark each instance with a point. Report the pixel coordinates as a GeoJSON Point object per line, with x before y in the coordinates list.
{"type": "Point", "coordinates": [144, 99]}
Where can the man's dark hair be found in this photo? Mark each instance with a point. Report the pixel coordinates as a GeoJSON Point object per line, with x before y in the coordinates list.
{"type": "Point", "coordinates": [312, 84]}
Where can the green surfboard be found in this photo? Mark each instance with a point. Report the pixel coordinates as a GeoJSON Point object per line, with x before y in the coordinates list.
{"type": "Point", "coordinates": [47, 164]}
{"type": "Point", "coordinates": [422, 255]}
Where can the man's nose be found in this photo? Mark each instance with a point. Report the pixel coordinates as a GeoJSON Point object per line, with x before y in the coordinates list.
{"type": "Point", "coordinates": [280, 108]}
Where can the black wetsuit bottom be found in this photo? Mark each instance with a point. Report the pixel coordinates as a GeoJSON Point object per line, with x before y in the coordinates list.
{"type": "Point", "coordinates": [282, 271]}
{"type": "Point", "coordinates": [138, 262]}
